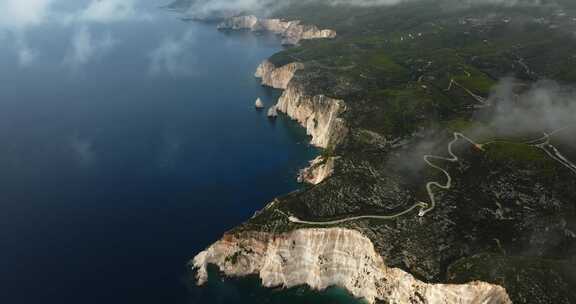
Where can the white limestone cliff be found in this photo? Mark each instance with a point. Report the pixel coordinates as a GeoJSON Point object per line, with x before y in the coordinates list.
{"type": "Point", "coordinates": [318, 114]}
{"type": "Point", "coordinates": [277, 77]}
{"type": "Point", "coordinates": [292, 32]}
{"type": "Point", "coordinates": [321, 258]}
{"type": "Point", "coordinates": [319, 169]}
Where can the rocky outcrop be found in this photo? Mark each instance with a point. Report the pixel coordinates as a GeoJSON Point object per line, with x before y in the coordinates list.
{"type": "Point", "coordinates": [318, 114]}
{"type": "Point", "coordinates": [321, 258]}
{"type": "Point", "coordinates": [320, 169]}
{"type": "Point", "coordinates": [272, 112]}
{"type": "Point", "coordinates": [277, 77]}
{"type": "Point", "coordinates": [292, 32]}
{"type": "Point", "coordinates": [259, 104]}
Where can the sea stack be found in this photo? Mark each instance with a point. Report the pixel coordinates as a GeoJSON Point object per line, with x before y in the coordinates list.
{"type": "Point", "coordinates": [272, 112]}
{"type": "Point", "coordinates": [259, 104]}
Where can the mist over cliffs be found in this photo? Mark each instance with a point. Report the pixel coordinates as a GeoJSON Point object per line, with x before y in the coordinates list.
{"type": "Point", "coordinates": [227, 8]}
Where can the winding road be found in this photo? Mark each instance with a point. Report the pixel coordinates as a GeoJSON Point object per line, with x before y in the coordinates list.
{"type": "Point", "coordinates": [296, 220]}
{"type": "Point", "coordinates": [542, 143]}
{"type": "Point", "coordinates": [552, 151]}
{"type": "Point", "coordinates": [453, 158]}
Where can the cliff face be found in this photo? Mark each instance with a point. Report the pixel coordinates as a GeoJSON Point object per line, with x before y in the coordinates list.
{"type": "Point", "coordinates": [277, 78]}
{"type": "Point", "coordinates": [321, 258]}
{"type": "Point", "coordinates": [318, 114]}
{"type": "Point", "coordinates": [320, 169]}
{"type": "Point", "coordinates": [292, 32]}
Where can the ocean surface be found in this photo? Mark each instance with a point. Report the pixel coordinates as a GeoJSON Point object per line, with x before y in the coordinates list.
{"type": "Point", "coordinates": [129, 143]}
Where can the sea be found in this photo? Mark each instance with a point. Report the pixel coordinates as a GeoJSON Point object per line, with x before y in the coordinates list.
{"type": "Point", "coordinates": [129, 142]}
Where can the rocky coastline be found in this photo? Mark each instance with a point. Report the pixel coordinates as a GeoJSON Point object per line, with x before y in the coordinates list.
{"type": "Point", "coordinates": [319, 170]}
{"type": "Point", "coordinates": [292, 32]}
{"type": "Point", "coordinates": [321, 258]}
{"type": "Point", "coordinates": [318, 114]}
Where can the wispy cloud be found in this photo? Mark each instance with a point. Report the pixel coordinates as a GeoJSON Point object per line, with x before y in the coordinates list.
{"type": "Point", "coordinates": [109, 11]}
{"type": "Point", "coordinates": [83, 151]}
{"type": "Point", "coordinates": [19, 14]}
{"type": "Point", "coordinates": [26, 55]}
{"type": "Point", "coordinates": [18, 17]}
{"type": "Point", "coordinates": [170, 149]}
{"type": "Point", "coordinates": [85, 47]}
{"type": "Point", "coordinates": [545, 107]}
{"type": "Point", "coordinates": [173, 56]}
{"type": "Point", "coordinates": [223, 8]}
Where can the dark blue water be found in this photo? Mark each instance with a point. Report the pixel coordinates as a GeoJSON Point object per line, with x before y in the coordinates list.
{"type": "Point", "coordinates": [126, 147]}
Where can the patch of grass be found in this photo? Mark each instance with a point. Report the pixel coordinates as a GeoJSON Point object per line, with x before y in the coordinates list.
{"type": "Point", "coordinates": [461, 125]}
{"type": "Point", "coordinates": [404, 108]}
{"type": "Point", "coordinates": [518, 152]}
{"type": "Point", "coordinates": [478, 82]}
{"type": "Point", "coordinates": [380, 62]}
{"type": "Point", "coordinates": [523, 155]}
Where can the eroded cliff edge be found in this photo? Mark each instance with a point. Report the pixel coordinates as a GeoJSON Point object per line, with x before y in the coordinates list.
{"type": "Point", "coordinates": [318, 114]}
{"type": "Point", "coordinates": [321, 258]}
{"type": "Point", "coordinates": [292, 32]}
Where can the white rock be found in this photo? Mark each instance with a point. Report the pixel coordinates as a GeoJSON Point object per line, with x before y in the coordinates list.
{"type": "Point", "coordinates": [319, 169]}
{"type": "Point", "coordinates": [259, 104]}
{"type": "Point", "coordinates": [318, 114]}
{"type": "Point", "coordinates": [321, 258]}
{"type": "Point", "coordinates": [272, 112]}
{"type": "Point", "coordinates": [277, 78]}
{"type": "Point", "coordinates": [292, 32]}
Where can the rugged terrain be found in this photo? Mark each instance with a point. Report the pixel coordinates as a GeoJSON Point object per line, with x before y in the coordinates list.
{"type": "Point", "coordinates": [391, 87]}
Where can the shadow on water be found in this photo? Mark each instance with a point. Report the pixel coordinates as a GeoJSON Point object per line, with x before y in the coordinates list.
{"type": "Point", "coordinates": [220, 290]}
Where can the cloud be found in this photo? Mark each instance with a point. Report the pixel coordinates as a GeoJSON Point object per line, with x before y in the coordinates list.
{"type": "Point", "coordinates": [546, 106]}
{"type": "Point", "coordinates": [206, 9]}
{"type": "Point", "coordinates": [109, 11]}
{"type": "Point", "coordinates": [84, 48]}
{"type": "Point", "coordinates": [516, 112]}
{"type": "Point", "coordinates": [83, 151]}
{"type": "Point", "coordinates": [172, 56]}
{"type": "Point", "coordinates": [26, 55]}
{"type": "Point", "coordinates": [222, 8]}
{"type": "Point", "coordinates": [16, 16]}
{"type": "Point", "coordinates": [455, 2]}
{"type": "Point", "coordinates": [19, 17]}
{"type": "Point", "coordinates": [19, 14]}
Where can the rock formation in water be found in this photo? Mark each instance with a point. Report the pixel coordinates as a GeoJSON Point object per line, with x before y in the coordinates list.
{"type": "Point", "coordinates": [317, 113]}
{"type": "Point", "coordinates": [322, 258]}
{"type": "Point", "coordinates": [319, 169]}
{"type": "Point", "coordinates": [292, 32]}
{"type": "Point", "coordinates": [272, 112]}
{"type": "Point", "coordinates": [259, 104]}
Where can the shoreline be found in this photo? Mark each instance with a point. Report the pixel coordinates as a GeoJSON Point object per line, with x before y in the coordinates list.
{"type": "Point", "coordinates": [241, 254]}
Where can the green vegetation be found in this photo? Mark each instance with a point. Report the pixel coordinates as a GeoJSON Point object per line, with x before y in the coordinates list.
{"type": "Point", "coordinates": [411, 75]}
{"type": "Point", "coordinates": [527, 280]}
{"type": "Point", "coordinates": [522, 154]}
{"type": "Point", "coordinates": [515, 152]}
